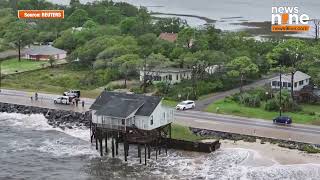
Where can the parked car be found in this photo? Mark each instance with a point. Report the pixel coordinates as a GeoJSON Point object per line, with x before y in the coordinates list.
{"type": "Point", "coordinates": [184, 105]}
{"type": "Point", "coordinates": [72, 93]}
{"type": "Point", "coordinates": [282, 120]}
{"type": "Point", "coordinates": [62, 100]}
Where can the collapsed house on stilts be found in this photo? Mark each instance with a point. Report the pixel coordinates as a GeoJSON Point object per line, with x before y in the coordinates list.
{"type": "Point", "coordinates": [130, 119]}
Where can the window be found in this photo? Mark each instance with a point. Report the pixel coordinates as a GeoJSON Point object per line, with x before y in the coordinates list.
{"type": "Point", "coordinates": [285, 84]}
{"type": "Point", "coordinates": [274, 83]}
{"type": "Point", "coordinates": [157, 78]}
{"type": "Point", "coordinates": [279, 83]}
{"type": "Point", "coordinates": [289, 84]}
{"type": "Point", "coordinates": [170, 77]}
{"type": "Point", "coordinates": [151, 120]}
{"type": "Point", "coordinates": [123, 122]}
{"type": "Point", "coordinates": [300, 83]}
{"type": "Point", "coordinates": [307, 80]}
{"type": "Point", "coordinates": [295, 84]}
{"type": "Point", "coordinates": [177, 76]}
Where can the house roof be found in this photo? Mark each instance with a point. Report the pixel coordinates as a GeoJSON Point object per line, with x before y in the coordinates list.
{"type": "Point", "coordinates": [170, 70]}
{"type": "Point", "coordinates": [298, 76]}
{"type": "Point", "coordinates": [171, 37]}
{"type": "Point", "coordinates": [44, 50]}
{"type": "Point", "coordinates": [121, 105]}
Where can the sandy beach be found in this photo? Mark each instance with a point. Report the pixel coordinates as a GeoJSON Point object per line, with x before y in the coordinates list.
{"type": "Point", "coordinates": [268, 154]}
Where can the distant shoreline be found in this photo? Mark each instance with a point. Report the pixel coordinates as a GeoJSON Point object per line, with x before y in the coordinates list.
{"type": "Point", "coordinates": [208, 20]}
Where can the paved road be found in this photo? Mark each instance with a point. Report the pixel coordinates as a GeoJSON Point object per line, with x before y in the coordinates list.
{"type": "Point", "coordinates": [203, 104]}
{"type": "Point", "coordinates": [45, 100]}
{"type": "Point", "coordinates": [8, 53]}
{"type": "Point", "coordinates": [249, 126]}
{"type": "Point", "coordinates": [196, 119]}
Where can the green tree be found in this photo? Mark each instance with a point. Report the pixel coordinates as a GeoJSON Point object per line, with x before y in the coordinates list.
{"type": "Point", "coordinates": [66, 41]}
{"type": "Point", "coordinates": [170, 25]}
{"type": "Point", "coordinates": [74, 3]}
{"type": "Point", "coordinates": [289, 53]}
{"type": "Point", "coordinates": [78, 18]}
{"type": "Point", "coordinates": [185, 36]}
{"type": "Point", "coordinates": [52, 61]}
{"type": "Point", "coordinates": [89, 24]}
{"type": "Point", "coordinates": [113, 15]}
{"type": "Point", "coordinates": [128, 64]}
{"type": "Point", "coordinates": [20, 34]}
{"type": "Point", "coordinates": [243, 67]}
{"type": "Point", "coordinates": [128, 25]}
{"type": "Point", "coordinates": [146, 43]}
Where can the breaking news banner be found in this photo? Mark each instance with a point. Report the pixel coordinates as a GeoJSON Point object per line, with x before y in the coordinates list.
{"type": "Point", "coordinates": [41, 14]}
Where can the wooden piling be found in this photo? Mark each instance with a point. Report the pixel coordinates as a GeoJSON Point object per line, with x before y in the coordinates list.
{"type": "Point", "coordinates": [139, 153]}
{"type": "Point", "coordinates": [145, 154]}
{"type": "Point", "coordinates": [101, 149]}
{"type": "Point", "coordinates": [156, 152]}
{"type": "Point", "coordinates": [166, 149]}
{"type": "Point", "coordinates": [106, 142]}
{"type": "Point", "coordinates": [96, 138]}
{"type": "Point", "coordinates": [91, 134]}
{"type": "Point", "coordinates": [117, 145]}
{"type": "Point", "coordinates": [112, 146]}
{"type": "Point", "coordinates": [149, 152]}
{"type": "Point", "coordinates": [125, 150]}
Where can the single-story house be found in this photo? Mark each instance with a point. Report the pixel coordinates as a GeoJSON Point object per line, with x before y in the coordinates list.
{"type": "Point", "coordinates": [120, 111]}
{"type": "Point", "coordinates": [300, 80]}
{"type": "Point", "coordinates": [212, 69]}
{"type": "Point", "coordinates": [43, 53]}
{"type": "Point", "coordinates": [171, 37]}
{"type": "Point", "coordinates": [171, 75]}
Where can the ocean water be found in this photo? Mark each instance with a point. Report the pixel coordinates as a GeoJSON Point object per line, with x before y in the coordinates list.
{"type": "Point", "coordinates": [32, 149]}
{"type": "Point", "coordinates": [229, 14]}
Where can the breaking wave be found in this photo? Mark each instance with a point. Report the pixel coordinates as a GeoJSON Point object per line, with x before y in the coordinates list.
{"type": "Point", "coordinates": [58, 146]}
{"type": "Point", "coordinates": [224, 164]}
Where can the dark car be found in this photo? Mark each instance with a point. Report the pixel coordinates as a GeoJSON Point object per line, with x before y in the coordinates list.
{"type": "Point", "coordinates": [282, 120]}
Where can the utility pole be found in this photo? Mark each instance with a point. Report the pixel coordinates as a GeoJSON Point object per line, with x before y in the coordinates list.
{"type": "Point", "coordinates": [280, 109]}
{"type": "Point", "coordinates": [316, 23]}
{"type": "Point", "coordinates": [0, 75]}
{"type": "Point", "coordinates": [144, 75]}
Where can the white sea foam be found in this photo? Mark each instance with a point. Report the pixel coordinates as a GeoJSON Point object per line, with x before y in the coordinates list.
{"type": "Point", "coordinates": [57, 147]}
{"type": "Point", "coordinates": [231, 164]}
{"type": "Point", "coordinates": [63, 147]}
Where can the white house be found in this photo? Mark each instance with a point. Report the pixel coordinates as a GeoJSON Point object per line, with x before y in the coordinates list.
{"type": "Point", "coordinates": [120, 110]}
{"type": "Point", "coordinates": [44, 52]}
{"type": "Point", "coordinates": [300, 80]}
{"type": "Point", "coordinates": [171, 75]}
{"type": "Point", "coordinates": [212, 69]}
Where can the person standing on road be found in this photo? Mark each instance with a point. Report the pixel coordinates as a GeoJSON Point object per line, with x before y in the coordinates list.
{"type": "Point", "coordinates": [83, 103]}
{"type": "Point", "coordinates": [36, 96]}
{"type": "Point", "coordinates": [77, 101]}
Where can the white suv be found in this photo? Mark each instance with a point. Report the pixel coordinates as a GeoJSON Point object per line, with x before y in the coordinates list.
{"type": "Point", "coordinates": [184, 105]}
{"type": "Point", "coordinates": [62, 100]}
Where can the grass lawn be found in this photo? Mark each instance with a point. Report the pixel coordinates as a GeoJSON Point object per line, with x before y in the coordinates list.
{"type": "Point", "coordinates": [51, 80]}
{"type": "Point", "coordinates": [183, 133]}
{"type": "Point", "coordinates": [233, 108]}
{"type": "Point", "coordinates": [12, 66]}
{"type": "Point", "coordinates": [170, 103]}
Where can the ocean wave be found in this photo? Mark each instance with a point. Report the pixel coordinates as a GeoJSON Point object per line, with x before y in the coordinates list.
{"type": "Point", "coordinates": [63, 147]}
{"type": "Point", "coordinates": [230, 164]}
{"type": "Point", "coordinates": [54, 146]}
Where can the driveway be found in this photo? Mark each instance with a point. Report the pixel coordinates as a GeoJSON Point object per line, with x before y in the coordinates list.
{"type": "Point", "coordinates": [201, 105]}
